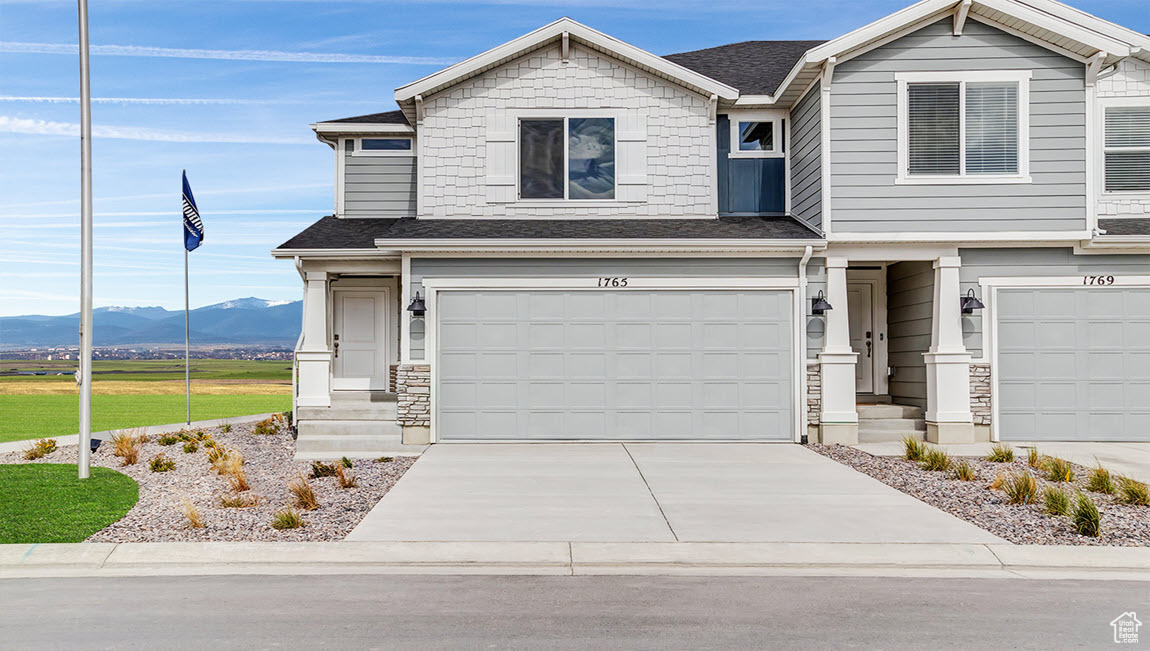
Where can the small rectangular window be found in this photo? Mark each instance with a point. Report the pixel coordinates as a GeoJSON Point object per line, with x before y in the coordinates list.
{"type": "Point", "coordinates": [933, 128]}
{"type": "Point", "coordinates": [567, 158]}
{"type": "Point", "coordinates": [1127, 149]}
{"type": "Point", "coordinates": [756, 136]}
{"type": "Point", "coordinates": [385, 144]}
{"type": "Point", "coordinates": [991, 128]}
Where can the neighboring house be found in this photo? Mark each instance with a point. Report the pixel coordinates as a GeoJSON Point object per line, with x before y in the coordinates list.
{"type": "Point", "coordinates": [569, 238]}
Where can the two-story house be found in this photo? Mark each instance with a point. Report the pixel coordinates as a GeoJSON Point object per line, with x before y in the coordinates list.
{"type": "Point", "coordinates": [936, 225]}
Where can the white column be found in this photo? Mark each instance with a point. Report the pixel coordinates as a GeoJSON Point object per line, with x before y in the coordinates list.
{"type": "Point", "coordinates": [315, 355]}
{"type": "Point", "coordinates": [948, 417]}
{"type": "Point", "coordinates": [839, 417]}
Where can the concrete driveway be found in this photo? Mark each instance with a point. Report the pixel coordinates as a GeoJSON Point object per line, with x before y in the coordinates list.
{"type": "Point", "coordinates": [649, 492]}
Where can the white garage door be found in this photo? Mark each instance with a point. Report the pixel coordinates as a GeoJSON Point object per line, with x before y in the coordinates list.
{"type": "Point", "coordinates": [1074, 364]}
{"type": "Point", "coordinates": [614, 365]}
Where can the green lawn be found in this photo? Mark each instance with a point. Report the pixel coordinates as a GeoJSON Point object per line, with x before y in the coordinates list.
{"type": "Point", "coordinates": [151, 369]}
{"type": "Point", "coordinates": [46, 503]}
{"type": "Point", "coordinates": [36, 416]}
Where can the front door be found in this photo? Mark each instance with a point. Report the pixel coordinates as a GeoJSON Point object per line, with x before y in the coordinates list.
{"type": "Point", "coordinates": [860, 311]}
{"type": "Point", "coordinates": [359, 333]}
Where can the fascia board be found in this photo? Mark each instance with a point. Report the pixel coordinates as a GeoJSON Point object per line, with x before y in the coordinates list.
{"type": "Point", "coordinates": [361, 127]}
{"type": "Point", "coordinates": [600, 245]}
{"type": "Point", "coordinates": [1061, 26]}
{"type": "Point", "coordinates": [344, 254]}
{"type": "Point", "coordinates": [1089, 21]}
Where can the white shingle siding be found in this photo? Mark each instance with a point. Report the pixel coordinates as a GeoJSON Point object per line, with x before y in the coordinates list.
{"type": "Point", "coordinates": [679, 147]}
{"type": "Point", "coordinates": [1131, 80]}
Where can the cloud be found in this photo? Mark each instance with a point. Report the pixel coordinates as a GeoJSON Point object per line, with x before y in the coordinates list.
{"type": "Point", "coordinates": [48, 128]}
{"type": "Point", "coordinates": [226, 55]}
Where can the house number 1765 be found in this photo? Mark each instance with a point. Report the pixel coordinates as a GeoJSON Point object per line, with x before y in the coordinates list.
{"type": "Point", "coordinates": [612, 282]}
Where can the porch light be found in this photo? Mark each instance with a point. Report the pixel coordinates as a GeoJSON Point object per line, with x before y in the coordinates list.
{"type": "Point", "coordinates": [970, 303]}
{"type": "Point", "coordinates": [417, 307]}
{"type": "Point", "coordinates": [820, 304]}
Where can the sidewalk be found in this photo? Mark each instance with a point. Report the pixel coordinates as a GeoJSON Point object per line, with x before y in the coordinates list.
{"type": "Point", "coordinates": [577, 558]}
{"type": "Point", "coordinates": [74, 439]}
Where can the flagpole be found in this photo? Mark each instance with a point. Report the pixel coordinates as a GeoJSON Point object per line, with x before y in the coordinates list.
{"type": "Point", "coordinates": [187, 346]}
{"type": "Point", "coordinates": [85, 377]}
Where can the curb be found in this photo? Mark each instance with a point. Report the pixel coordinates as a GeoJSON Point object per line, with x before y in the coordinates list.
{"type": "Point", "coordinates": [576, 558]}
{"type": "Point", "coordinates": [74, 439]}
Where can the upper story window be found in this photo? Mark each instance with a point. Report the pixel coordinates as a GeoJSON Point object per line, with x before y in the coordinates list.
{"type": "Point", "coordinates": [380, 146]}
{"type": "Point", "coordinates": [757, 134]}
{"type": "Point", "coordinates": [1126, 148]}
{"type": "Point", "coordinates": [567, 158]}
{"type": "Point", "coordinates": [963, 127]}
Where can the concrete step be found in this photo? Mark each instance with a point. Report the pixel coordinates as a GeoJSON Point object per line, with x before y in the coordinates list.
{"type": "Point", "coordinates": [877, 424]}
{"type": "Point", "coordinates": [360, 411]}
{"type": "Point", "coordinates": [369, 397]}
{"type": "Point", "coordinates": [883, 435]}
{"type": "Point", "coordinates": [873, 412]}
{"type": "Point", "coordinates": [320, 440]}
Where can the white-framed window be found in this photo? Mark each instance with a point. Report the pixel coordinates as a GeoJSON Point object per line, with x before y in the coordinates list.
{"type": "Point", "coordinates": [757, 134]}
{"type": "Point", "coordinates": [1126, 146]}
{"type": "Point", "coordinates": [568, 158]}
{"type": "Point", "coordinates": [381, 146]}
{"type": "Point", "coordinates": [964, 127]}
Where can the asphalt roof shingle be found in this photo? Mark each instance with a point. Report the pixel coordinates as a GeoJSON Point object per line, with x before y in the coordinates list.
{"type": "Point", "coordinates": [1125, 226]}
{"type": "Point", "coordinates": [388, 117]}
{"type": "Point", "coordinates": [753, 67]}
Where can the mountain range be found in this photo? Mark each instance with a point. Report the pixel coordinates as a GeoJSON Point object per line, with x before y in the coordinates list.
{"type": "Point", "coordinates": [240, 321]}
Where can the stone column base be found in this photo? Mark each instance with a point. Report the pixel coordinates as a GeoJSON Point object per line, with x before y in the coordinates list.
{"type": "Point", "coordinates": [416, 435]}
{"type": "Point", "coordinates": [950, 432]}
{"type": "Point", "coordinates": [839, 433]}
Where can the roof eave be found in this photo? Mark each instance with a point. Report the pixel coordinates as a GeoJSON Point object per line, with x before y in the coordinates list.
{"type": "Point", "coordinates": [605, 244]}
{"type": "Point", "coordinates": [368, 128]}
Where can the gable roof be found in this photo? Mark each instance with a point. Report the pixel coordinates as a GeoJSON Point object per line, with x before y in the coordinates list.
{"type": "Point", "coordinates": [754, 67]}
{"type": "Point", "coordinates": [387, 117]}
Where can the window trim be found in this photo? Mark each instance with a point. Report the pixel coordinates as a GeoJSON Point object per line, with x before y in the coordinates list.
{"type": "Point", "coordinates": [775, 117]}
{"type": "Point", "coordinates": [1108, 103]}
{"type": "Point", "coordinates": [565, 115]}
{"type": "Point", "coordinates": [357, 148]}
{"type": "Point", "coordinates": [1021, 77]}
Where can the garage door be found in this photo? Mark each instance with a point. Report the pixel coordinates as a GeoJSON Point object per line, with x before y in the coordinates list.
{"type": "Point", "coordinates": [1074, 364]}
{"type": "Point", "coordinates": [614, 365]}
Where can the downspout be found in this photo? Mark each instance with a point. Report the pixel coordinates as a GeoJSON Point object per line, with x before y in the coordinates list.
{"type": "Point", "coordinates": [800, 338]}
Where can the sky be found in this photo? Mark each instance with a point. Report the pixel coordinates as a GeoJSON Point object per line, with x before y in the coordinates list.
{"type": "Point", "coordinates": [226, 89]}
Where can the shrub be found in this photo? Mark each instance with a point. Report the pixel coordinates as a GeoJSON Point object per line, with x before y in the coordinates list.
{"type": "Point", "coordinates": [1034, 459]}
{"type": "Point", "coordinates": [161, 463]}
{"type": "Point", "coordinates": [216, 454]}
{"type": "Point", "coordinates": [1058, 470]}
{"type": "Point", "coordinates": [1021, 489]}
{"type": "Point", "coordinates": [41, 448]}
{"type": "Point", "coordinates": [126, 444]}
{"type": "Point", "coordinates": [287, 519]}
{"type": "Point", "coordinates": [1001, 453]}
{"type": "Point", "coordinates": [226, 427]}
{"type": "Point", "coordinates": [912, 448]}
{"type": "Point", "coordinates": [238, 480]}
{"type": "Point", "coordinates": [345, 462]}
{"type": "Point", "coordinates": [230, 462]}
{"type": "Point", "coordinates": [963, 471]}
{"type": "Point", "coordinates": [195, 519]}
{"type": "Point", "coordinates": [1056, 500]}
{"type": "Point", "coordinates": [238, 501]}
{"type": "Point", "coordinates": [200, 435]}
{"type": "Point", "coordinates": [184, 435]}
{"type": "Point", "coordinates": [191, 446]}
{"type": "Point", "coordinates": [344, 478]}
{"type": "Point", "coordinates": [321, 469]}
{"type": "Point", "coordinates": [998, 482]}
{"type": "Point", "coordinates": [1133, 492]}
{"type": "Point", "coordinates": [266, 426]}
{"type": "Point", "coordinates": [935, 459]}
{"type": "Point", "coordinates": [209, 443]}
{"type": "Point", "coordinates": [168, 439]}
{"type": "Point", "coordinates": [385, 459]}
{"type": "Point", "coordinates": [1100, 481]}
{"type": "Point", "coordinates": [1087, 519]}
{"type": "Point", "coordinates": [302, 494]}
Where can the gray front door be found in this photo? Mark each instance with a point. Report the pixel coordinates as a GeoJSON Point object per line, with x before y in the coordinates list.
{"type": "Point", "coordinates": [614, 365]}
{"type": "Point", "coordinates": [1074, 364]}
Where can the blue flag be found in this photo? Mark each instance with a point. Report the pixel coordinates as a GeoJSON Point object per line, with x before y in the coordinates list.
{"type": "Point", "coordinates": [193, 227]}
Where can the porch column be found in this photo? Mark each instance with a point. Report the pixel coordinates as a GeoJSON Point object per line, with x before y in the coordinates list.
{"type": "Point", "coordinates": [948, 417]}
{"type": "Point", "coordinates": [314, 355]}
{"type": "Point", "coordinates": [839, 418]}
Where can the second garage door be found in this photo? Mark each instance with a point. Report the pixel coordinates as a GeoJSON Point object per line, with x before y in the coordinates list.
{"type": "Point", "coordinates": [614, 365]}
{"type": "Point", "coordinates": [1074, 364]}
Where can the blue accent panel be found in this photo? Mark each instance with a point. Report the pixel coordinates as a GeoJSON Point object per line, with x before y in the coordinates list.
{"type": "Point", "coordinates": [748, 185]}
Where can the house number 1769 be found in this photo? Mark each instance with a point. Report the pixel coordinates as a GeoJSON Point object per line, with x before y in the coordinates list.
{"type": "Point", "coordinates": [612, 282]}
{"type": "Point", "coordinates": [1098, 280]}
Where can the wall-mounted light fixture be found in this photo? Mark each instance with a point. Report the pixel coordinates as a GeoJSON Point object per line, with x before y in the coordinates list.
{"type": "Point", "coordinates": [970, 303]}
{"type": "Point", "coordinates": [819, 304]}
{"type": "Point", "coordinates": [417, 307]}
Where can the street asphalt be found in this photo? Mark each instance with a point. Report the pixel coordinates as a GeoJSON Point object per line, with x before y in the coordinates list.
{"type": "Point", "coordinates": [255, 612]}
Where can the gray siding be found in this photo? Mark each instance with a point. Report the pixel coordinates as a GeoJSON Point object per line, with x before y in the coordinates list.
{"type": "Point", "coordinates": [379, 186]}
{"type": "Point", "coordinates": [910, 297]}
{"type": "Point", "coordinates": [864, 149]}
{"type": "Point", "coordinates": [980, 263]}
{"type": "Point", "coordinates": [589, 268]}
{"type": "Point", "coordinates": [806, 159]}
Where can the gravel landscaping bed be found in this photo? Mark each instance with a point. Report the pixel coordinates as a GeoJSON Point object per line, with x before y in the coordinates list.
{"type": "Point", "coordinates": [975, 502]}
{"type": "Point", "coordinates": [157, 517]}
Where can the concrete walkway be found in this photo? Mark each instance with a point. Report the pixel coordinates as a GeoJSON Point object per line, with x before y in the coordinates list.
{"type": "Point", "coordinates": [74, 439]}
{"type": "Point", "coordinates": [650, 492]}
{"type": "Point", "coordinates": [1128, 459]}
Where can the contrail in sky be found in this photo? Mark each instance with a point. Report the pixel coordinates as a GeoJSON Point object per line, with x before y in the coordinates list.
{"type": "Point", "coordinates": [227, 55]}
